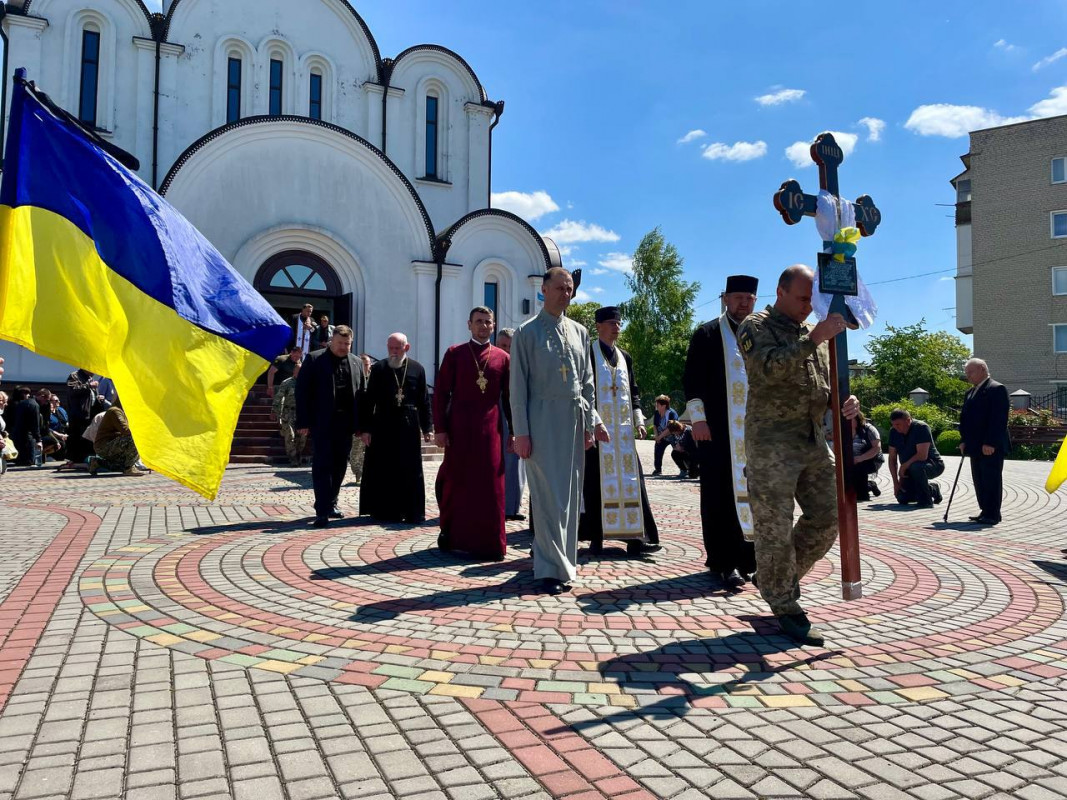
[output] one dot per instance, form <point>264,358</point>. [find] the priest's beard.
<point>396,362</point>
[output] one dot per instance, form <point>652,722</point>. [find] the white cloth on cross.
<point>832,214</point>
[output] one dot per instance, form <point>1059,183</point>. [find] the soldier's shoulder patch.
<point>744,338</point>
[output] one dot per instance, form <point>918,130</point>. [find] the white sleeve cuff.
<point>639,418</point>
<point>694,409</point>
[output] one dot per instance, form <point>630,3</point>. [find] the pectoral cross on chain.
<point>399,396</point>
<point>563,370</point>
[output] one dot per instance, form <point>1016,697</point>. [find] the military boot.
<point>799,629</point>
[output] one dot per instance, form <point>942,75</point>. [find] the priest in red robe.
<point>472,380</point>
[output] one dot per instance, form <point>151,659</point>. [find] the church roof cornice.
<point>22,8</point>
<point>444,240</point>
<point>208,138</point>
<point>165,30</point>
<point>436,48</point>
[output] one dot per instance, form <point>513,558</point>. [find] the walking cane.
<point>953,492</point>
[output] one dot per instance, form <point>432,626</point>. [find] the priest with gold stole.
<point>615,501</point>
<point>716,390</point>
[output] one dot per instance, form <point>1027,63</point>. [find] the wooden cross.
<point>794,205</point>
<point>563,370</point>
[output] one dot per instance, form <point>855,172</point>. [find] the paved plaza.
<point>154,645</point>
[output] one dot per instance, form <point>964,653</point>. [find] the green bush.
<point>938,420</point>
<point>948,442</point>
<point>1033,452</point>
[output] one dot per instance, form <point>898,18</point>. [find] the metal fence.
<point>1055,403</point>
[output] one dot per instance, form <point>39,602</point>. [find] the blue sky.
<point>599,95</point>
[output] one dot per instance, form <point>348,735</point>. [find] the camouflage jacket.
<point>285,400</point>
<point>788,379</point>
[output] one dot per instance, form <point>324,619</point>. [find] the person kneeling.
<point>115,449</point>
<point>911,442</point>
<point>684,450</point>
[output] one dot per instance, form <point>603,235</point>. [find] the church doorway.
<point>292,278</point>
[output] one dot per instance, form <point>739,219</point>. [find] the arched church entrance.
<point>289,279</point>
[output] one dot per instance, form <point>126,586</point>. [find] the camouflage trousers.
<point>294,442</point>
<point>119,454</point>
<point>355,459</point>
<point>785,552</point>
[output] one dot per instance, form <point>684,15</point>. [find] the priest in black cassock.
<point>716,390</point>
<point>395,420</point>
<point>615,501</point>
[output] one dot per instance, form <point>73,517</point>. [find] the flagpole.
<point>3,83</point>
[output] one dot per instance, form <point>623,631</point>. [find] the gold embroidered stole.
<point>620,488</point>
<point>736,397</point>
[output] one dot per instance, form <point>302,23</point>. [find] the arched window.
<point>431,135</point>
<point>90,76</point>
<point>233,88</point>
<point>315,94</point>
<point>297,272</point>
<point>276,68</point>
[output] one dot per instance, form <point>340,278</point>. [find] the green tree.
<point>585,315</point>
<point>659,315</point>
<point>910,356</point>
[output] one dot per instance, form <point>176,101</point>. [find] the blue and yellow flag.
<point>98,270</point>
<point>1059,470</point>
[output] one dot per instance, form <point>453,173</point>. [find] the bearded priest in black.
<point>716,390</point>
<point>396,422</point>
<point>615,500</point>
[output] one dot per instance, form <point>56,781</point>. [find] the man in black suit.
<point>329,387</point>
<point>984,431</point>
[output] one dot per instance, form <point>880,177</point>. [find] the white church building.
<point>323,171</point>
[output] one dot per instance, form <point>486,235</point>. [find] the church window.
<point>1059,280</point>
<point>275,87</point>
<point>233,90</point>
<point>431,136</point>
<point>90,77</point>
<point>1059,170</point>
<point>298,276</point>
<point>1060,338</point>
<point>1059,224</point>
<point>492,292</point>
<point>315,109</point>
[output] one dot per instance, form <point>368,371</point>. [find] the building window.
<point>315,109</point>
<point>1059,336</point>
<point>492,291</point>
<point>431,136</point>
<point>1059,170</point>
<point>90,77</point>
<point>963,191</point>
<point>1059,280</point>
<point>275,87</point>
<point>1059,224</point>
<point>233,90</point>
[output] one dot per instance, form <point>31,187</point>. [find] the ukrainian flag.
<point>1059,470</point>
<point>97,270</point>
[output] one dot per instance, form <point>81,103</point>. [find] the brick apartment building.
<point>1011,253</point>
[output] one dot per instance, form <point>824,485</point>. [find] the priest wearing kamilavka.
<point>471,382</point>
<point>553,410</point>
<point>395,421</point>
<point>716,390</point>
<point>616,504</point>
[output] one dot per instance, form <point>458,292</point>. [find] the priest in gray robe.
<point>553,410</point>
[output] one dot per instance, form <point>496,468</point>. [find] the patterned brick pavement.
<point>154,645</point>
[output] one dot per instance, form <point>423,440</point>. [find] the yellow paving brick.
<point>964,673</point>
<point>314,637</point>
<point>852,686</point>
<point>504,628</point>
<point>135,609</point>
<point>229,615</point>
<point>397,649</point>
<point>922,693</point>
<point>343,606</point>
<point>458,691</point>
<point>354,643</point>
<point>786,700</point>
<point>442,655</point>
<point>624,700</point>
<point>203,636</point>
<point>164,639</point>
<point>307,661</point>
<point>591,666</point>
<point>1007,680</point>
<point>284,667</point>
<point>491,661</point>
<point>281,630</point>
<point>435,676</point>
<point>604,688</point>
<point>542,663</point>
<point>255,623</point>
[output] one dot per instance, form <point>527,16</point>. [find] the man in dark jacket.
<point>984,431</point>
<point>328,391</point>
<point>26,427</point>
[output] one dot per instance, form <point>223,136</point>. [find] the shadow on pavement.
<point>667,590</point>
<point>1055,569</point>
<point>959,526</point>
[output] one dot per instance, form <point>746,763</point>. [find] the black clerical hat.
<point>608,313</point>
<point>741,283</point>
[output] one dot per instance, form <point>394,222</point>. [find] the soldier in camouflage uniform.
<point>788,366</point>
<point>284,410</point>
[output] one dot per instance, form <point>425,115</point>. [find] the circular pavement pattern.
<point>945,613</point>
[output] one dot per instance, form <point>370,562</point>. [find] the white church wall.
<point>321,34</point>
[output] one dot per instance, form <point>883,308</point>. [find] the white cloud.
<point>616,262</point>
<point>599,271</point>
<point>528,205</point>
<point>576,263</point>
<point>800,152</point>
<point>1053,105</point>
<point>692,136</point>
<point>596,289</point>
<point>738,151</point>
<point>1003,44</point>
<point>582,296</point>
<point>951,121</point>
<point>781,96</point>
<point>875,127</point>
<point>568,231</point>
<point>1052,59</point>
